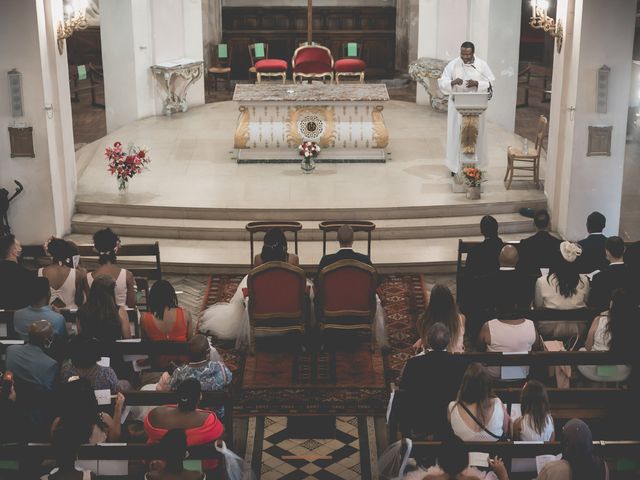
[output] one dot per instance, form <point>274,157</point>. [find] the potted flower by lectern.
<point>309,151</point>
<point>473,178</point>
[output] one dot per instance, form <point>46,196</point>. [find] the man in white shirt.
<point>465,74</point>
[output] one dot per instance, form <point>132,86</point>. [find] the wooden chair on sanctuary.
<point>220,65</point>
<point>351,64</point>
<point>526,161</point>
<point>312,62</point>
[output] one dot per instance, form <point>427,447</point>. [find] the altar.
<point>345,120</point>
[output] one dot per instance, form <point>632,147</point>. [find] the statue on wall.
<point>5,200</point>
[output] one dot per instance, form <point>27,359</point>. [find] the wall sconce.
<point>541,20</point>
<point>74,19</point>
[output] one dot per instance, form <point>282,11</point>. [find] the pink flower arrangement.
<point>309,149</point>
<point>125,165</point>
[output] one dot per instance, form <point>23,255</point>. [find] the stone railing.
<point>426,72</point>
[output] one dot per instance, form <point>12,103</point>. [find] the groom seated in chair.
<point>346,252</point>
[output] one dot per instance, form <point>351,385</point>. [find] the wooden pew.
<point>534,72</point>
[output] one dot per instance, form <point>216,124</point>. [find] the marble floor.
<point>193,165</point>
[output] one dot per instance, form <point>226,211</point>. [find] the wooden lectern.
<point>470,105</point>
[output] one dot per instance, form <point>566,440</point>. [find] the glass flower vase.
<point>308,164</point>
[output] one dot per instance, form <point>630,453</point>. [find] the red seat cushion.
<point>347,289</point>
<point>269,65</point>
<point>350,65</point>
<point>277,291</point>
<point>312,67</point>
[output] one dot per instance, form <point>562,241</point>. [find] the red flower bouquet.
<point>125,165</point>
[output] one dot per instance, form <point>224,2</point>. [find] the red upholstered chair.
<point>346,297</point>
<point>277,299</point>
<point>263,66</point>
<point>312,61</point>
<point>351,65</point>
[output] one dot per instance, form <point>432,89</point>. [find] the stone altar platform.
<point>345,120</point>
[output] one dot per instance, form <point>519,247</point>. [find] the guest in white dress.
<point>65,280</point>
<point>510,332</point>
<point>478,415</point>
<point>615,330</point>
<point>106,243</point>
<point>563,288</point>
<point>442,308</point>
<point>535,424</point>
<point>230,321</point>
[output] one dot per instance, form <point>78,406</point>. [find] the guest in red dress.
<point>200,426</point>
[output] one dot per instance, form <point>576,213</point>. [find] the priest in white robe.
<point>466,73</point>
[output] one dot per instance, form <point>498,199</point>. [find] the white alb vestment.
<point>480,72</point>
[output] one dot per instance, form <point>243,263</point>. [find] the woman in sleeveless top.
<point>442,308</point>
<point>229,321</point>
<point>200,426</point>
<point>478,415</point>
<point>615,330</point>
<point>100,317</point>
<point>65,451</point>
<point>65,281</point>
<point>165,320</point>
<point>535,424</point>
<point>106,244</point>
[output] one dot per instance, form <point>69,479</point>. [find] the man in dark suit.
<point>508,281</point>
<point>483,258</point>
<point>613,277</point>
<point>346,252</point>
<point>540,250</point>
<point>429,382</point>
<point>593,256</point>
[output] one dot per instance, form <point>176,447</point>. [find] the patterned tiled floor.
<point>350,457</point>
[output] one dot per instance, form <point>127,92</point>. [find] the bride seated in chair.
<point>230,321</point>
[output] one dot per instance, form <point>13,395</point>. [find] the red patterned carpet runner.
<point>352,380</point>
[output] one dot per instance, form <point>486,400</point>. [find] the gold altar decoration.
<point>469,134</point>
<point>241,136</point>
<point>380,133</point>
<point>318,125</point>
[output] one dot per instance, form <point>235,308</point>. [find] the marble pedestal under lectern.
<point>345,120</point>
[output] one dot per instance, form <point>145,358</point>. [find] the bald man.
<point>345,252</point>
<point>30,362</point>
<point>508,281</point>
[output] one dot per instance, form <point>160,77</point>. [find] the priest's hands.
<point>457,81</point>
<point>472,83</point>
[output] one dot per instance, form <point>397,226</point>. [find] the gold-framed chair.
<point>312,62</point>
<point>351,63</point>
<point>263,66</point>
<point>346,297</point>
<point>220,65</point>
<point>277,300</point>
<point>526,161</point>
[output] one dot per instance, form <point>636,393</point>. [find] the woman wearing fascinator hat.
<point>563,288</point>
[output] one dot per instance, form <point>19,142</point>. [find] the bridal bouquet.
<point>125,165</point>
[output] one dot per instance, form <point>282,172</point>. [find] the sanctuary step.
<point>218,229</point>
<point>436,255</point>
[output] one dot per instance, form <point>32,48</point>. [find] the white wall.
<point>137,34</point>
<point>303,3</point>
<point>602,34</point>
<point>494,28</point>
<point>45,206</point>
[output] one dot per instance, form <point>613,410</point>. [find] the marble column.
<point>595,33</point>
<point>46,205</point>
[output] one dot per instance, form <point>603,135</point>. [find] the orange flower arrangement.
<point>473,176</point>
